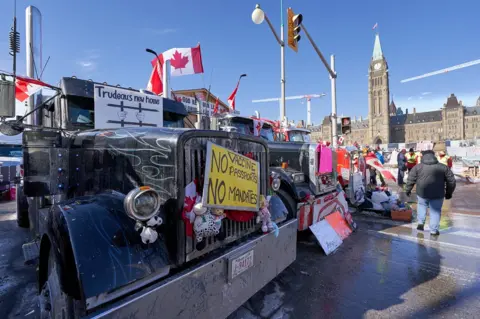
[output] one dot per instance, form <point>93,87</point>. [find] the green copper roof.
<point>377,49</point>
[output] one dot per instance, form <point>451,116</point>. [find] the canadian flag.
<point>257,127</point>
<point>375,163</point>
<point>183,61</point>
<point>24,87</point>
<point>231,98</point>
<point>215,108</point>
<point>340,140</point>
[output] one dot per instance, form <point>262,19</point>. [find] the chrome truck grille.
<point>195,157</point>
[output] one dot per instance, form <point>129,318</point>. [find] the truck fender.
<point>94,236</point>
<point>287,183</point>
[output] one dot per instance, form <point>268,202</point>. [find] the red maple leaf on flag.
<point>178,62</point>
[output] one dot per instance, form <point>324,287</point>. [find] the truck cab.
<point>245,125</point>
<point>293,134</point>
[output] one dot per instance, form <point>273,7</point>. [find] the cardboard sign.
<point>115,107</point>
<point>326,236</point>
<point>339,224</point>
<point>232,181</point>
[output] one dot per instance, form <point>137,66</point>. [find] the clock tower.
<point>378,97</point>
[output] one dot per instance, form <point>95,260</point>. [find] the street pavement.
<point>17,281</point>
<point>386,269</point>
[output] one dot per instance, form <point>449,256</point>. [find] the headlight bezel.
<point>133,195</point>
<point>298,178</point>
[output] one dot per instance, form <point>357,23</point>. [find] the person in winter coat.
<point>435,182</point>
<point>402,166</point>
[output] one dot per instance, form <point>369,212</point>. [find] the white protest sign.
<point>326,236</point>
<point>115,107</point>
<point>205,108</point>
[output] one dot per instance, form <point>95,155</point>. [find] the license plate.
<point>242,263</point>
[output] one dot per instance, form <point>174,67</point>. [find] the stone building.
<point>386,123</point>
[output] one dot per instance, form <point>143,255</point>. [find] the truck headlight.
<point>298,178</point>
<point>142,203</point>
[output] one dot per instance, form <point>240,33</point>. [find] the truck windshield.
<point>267,133</point>
<point>81,111</point>
<point>172,120</point>
<point>298,136</point>
<point>241,127</point>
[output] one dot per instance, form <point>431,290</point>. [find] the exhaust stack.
<point>33,33</point>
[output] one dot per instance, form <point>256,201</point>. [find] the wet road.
<point>385,269</point>
<point>17,281</point>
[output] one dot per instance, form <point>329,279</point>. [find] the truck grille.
<point>195,158</point>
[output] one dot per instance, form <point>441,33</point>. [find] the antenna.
<point>44,67</point>
<point>14,38</point>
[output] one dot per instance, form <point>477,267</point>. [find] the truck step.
<point>31,251</point>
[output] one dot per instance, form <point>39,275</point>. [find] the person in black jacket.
<point>435,182</point>
<point>402,166</point>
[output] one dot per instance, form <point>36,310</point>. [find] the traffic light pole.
<point>282,67</point>
<point>333,78</point>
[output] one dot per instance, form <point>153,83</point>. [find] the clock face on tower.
<point>377,66</point>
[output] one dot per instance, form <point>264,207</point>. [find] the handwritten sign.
<point>326,236</point>
<point>116,107</point>
<point>232,181</point>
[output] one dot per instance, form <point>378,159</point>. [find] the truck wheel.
<point>289,203</point>
<point>23,220</point>
<point>54,303</point>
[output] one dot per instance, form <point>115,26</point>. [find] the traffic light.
<point>294,28</point>
<point>346,125</point>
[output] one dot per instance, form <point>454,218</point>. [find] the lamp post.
<point>258,16</point>
<point>164,67</point>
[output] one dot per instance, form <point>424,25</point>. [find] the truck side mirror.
<point>7,97</point>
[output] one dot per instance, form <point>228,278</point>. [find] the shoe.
<point>435,233</point>
<point>420,227</point>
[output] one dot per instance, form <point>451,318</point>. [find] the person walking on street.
<point>445,159</point>
<point>411,159</point>
<point>402,167</point>
<point>435,182</point>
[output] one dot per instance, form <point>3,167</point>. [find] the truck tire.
<point>23,220</point>
<point>54,303</point>
<point>289,203</point>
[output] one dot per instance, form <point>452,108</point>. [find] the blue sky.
<point>106,41</point>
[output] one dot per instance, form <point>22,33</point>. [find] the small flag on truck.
<point>25,87</point>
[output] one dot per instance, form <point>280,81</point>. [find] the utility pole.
<point>333,77</point>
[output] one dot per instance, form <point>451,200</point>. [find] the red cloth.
<point>239,215</point>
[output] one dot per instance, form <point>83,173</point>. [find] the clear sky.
<point>106,41</point>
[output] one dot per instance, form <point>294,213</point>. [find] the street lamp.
<point>164,68</point>
<point>258,16</point>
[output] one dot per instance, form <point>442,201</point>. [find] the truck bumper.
<point>310,213</point>
<point>217,287</point>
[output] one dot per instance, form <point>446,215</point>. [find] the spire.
<point>377,49</point>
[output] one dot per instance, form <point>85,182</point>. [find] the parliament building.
<point>388,124</point>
